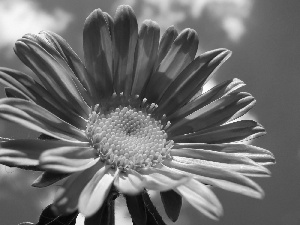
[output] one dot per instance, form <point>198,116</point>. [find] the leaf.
<point>106,214</point>
<point>137,209</point>
<point>153,217</point>
<point>48,217</point>
<point>172,203</point>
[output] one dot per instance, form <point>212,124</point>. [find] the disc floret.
<point>127,136</point>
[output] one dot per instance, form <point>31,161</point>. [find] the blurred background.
<point>265,39</point>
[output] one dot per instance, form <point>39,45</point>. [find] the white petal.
<point>96,191</point>
<point>125,186</point>
<point>202,198</point>
<point>161,179</point>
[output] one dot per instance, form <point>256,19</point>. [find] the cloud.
<point>234,28</point>
<point>162,12</point>
<point>18,17</point>
<point>229,14</point>
<point>232,15</point>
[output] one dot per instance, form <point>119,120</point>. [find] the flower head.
<point>133,116</point>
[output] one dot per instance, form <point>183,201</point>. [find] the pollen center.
<point>127,137</point>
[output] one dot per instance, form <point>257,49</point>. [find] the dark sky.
<point>266,58</point>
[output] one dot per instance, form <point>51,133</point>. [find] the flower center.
<point>127,136</point>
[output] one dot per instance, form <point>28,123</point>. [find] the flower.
<point>132,117</point>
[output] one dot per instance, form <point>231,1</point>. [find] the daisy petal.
<point>11,153</point>
<point>38,119</point>
<point>110,23</point>
<point>125,186</point>
<point>136,179</point>
<point>68,159</point>
<point>257,154</point>
<point>53,76</point>
<point>231,132</point>
<point>20,162</point>
<point>51,46</point>
<point>38,94</point>
<point>15,93</point>
<point>162,179</point>
<point>71,58</point>
<point>15,79</point>
<point>34,147</point>
<point>191,80</point>
<point>24,153</point>
<point>202,198</point>
<point>48,178</point>
<point>166,42</point>
<point>146,54</point>
<point>105,214</point>
<point>67,195</point>
<point>211,95</point>
<point>96,191</point>
<point>97,47</point>
<point>218,177</point>
<point>181,54</point>
<point>222,110</point>
<point>124,40</point>
<point>221,160</point>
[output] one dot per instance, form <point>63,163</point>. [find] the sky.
<point>264,37</point>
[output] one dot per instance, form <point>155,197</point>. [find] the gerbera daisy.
<point>132,117</point>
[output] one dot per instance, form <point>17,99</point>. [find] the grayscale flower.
<point>133,116</point>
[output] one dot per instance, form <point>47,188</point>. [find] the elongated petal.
<point>218,177</point>
<point>161,179</point>
<point>146,54</point>
<point>38,119</point>
<point>202,198</point>
<point>231,132</point>
<point>96,191</point>
<point>48,178</point>
<point>68,159</point>
<point>165,43</point>
<point>191,80</point>
<point>53,76</point>
<point>181,53</point>
<point>211,95</point>
<point>125,186</point>
<point>67,195</point>
<point>71,58</point>
<point>110,23</point>
<point>124,40</point>
<point>24,153</point>
<point>105,214</point>
<point>136,179</point>
<point>11,153</point>
<point>14,79</point>
<point>98,56</point>
<point>216,113</point>
<point>14,93</point>
<point>20,162</point>
<point>34,147</point>
<point>257,154</point>
<point>38,94</point>
<point>51,46</point>
<point>221,160</point>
